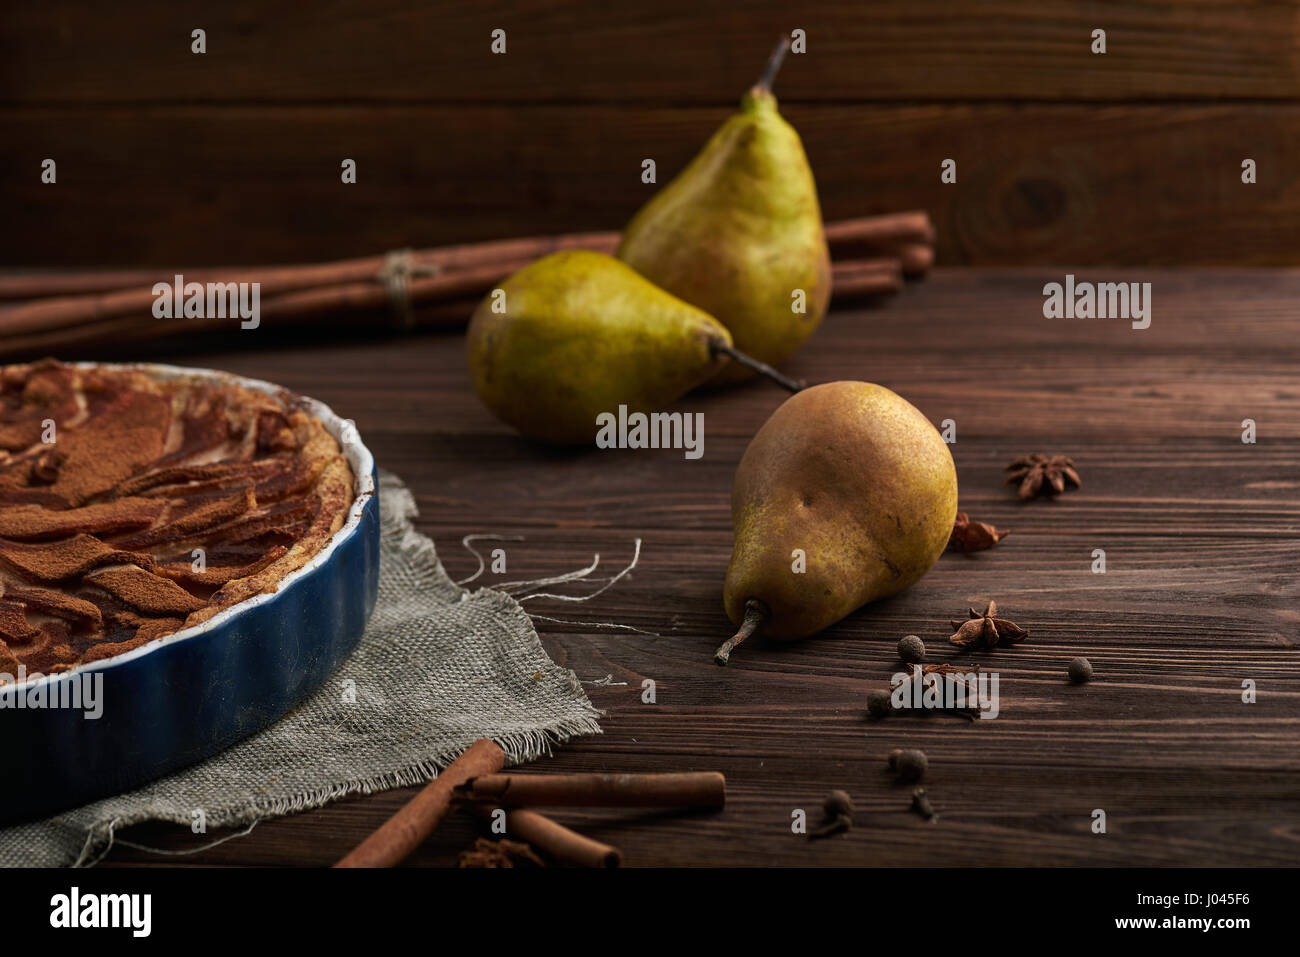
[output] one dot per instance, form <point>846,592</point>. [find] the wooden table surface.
<point>1201,534</point>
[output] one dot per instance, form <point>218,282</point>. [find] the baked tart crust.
<point>134,505</point>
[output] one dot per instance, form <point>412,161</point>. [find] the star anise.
<point>949,687</point>
<point>1042,473</point>
<point>968,536</point>
<point>944,669</point>
<point>986,631</point>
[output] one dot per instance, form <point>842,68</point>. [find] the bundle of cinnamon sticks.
<point>474,781</point>
<point>53,312</point>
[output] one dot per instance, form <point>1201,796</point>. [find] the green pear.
<point>846,495</point>
<point>739,233</point>
<point>578,333</point>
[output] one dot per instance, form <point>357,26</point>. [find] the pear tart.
<point>135,505</point>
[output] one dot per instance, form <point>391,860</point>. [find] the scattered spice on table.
<point>908,763</point>
<point>985,631</point>
<point>837,815</point>
<point>879,704</point>
<point>922,806</point>
<point>1080,670</point>
<point>969,536</point>
<point>1046,474</point>
<point>955,688</point>
<point>502,853</point>
<point>911,649</point>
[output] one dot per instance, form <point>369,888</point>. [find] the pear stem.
<point>774,65</point>
<point>794,385</point>
<point>755,615</point>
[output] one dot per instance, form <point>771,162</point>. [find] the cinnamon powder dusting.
<point>133,506</point>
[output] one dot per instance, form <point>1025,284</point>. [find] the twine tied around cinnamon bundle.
<point>400,266</point>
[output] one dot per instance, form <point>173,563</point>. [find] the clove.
<point>922,806</point>
<point>837,815</point>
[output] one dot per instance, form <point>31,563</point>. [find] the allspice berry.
<point>910,764</point>
<point>911,649</point>
<point>838,804</point>
<point>879,704</point>
<point>1080,670</point>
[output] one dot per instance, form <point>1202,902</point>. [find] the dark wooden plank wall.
<point>1063,156</point>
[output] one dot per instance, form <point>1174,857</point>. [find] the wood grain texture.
<point>1063,156</point>
<point>1202,538</point>
<point>180,186</point>
<point>672,51</point>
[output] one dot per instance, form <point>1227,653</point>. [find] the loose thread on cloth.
<point>595,624</point>
<point>581,574</point>
<point>482,565</point>
<point>163,851</point>
<point>523,591</point>
<point>609,582</point>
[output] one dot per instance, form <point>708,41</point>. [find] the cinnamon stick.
<point>406,830</point>
<point>334,309</point>
<point>908,237</point>
<point>43,325</point>
<point>891,229</point>
<point>473,281</point>
<point>278,279</point>
<point>866,277</point>
<point>558,842</point>
<point>37,285</point>
<point>295,296</point>
<point>917,258</point>
<point>702,789</point>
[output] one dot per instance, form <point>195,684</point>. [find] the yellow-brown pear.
<point>739,234</point>
<point>846,495</point>
<point>577,334</point>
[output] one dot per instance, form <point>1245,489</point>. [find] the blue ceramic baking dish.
<point>191,694</point>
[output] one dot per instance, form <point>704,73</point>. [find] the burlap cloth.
<point>437,668</point>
